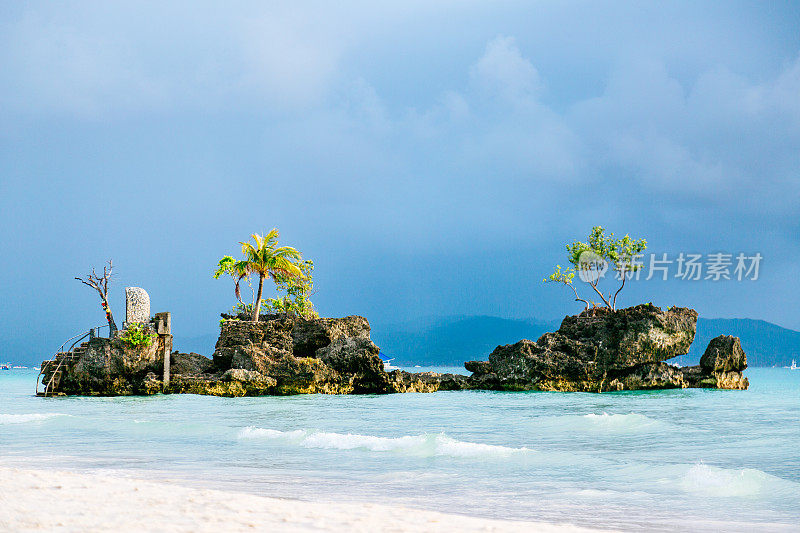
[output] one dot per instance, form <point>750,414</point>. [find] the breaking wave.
<point>599,423</point>
<point>631,421</point>
<point>426,445</point>
<point>709,480</point>
<point>28,417</point>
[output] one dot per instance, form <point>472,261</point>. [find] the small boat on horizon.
<point>794,366</point>
<point>6,366</point>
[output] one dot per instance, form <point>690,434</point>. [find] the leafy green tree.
<point>262,258</point>
<point>296,291</point>
<point>566,277</point>
<point>591,259</point>
<point>238,271</point>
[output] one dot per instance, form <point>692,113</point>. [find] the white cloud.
<point>709,140</point>
<point>712,136</point>
<point>504,72</point>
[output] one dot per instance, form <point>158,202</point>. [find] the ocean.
<point>660,460</point>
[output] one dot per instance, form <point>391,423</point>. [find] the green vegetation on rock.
<point>137,334</point>
<point>262,258</point>
<point>296,291</point>
<point>591,259</point>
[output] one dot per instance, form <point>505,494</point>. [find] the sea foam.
<point>611,423</point>
<point>425,445</point>
<point>27,417</point>
<point>709,480</point>
<point>630,421</point>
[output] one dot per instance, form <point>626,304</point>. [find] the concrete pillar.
<point>163,325</point>
<point>167,353</point>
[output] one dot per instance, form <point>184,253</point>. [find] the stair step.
<point>61,361</point>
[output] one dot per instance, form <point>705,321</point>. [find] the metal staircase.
<point>51,372</point>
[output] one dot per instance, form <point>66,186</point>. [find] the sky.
<point>431,158</point>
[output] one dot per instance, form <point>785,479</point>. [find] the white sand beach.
<point>37,500</point>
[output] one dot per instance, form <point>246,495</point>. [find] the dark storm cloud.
<point>430,159</point>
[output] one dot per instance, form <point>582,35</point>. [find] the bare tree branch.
<point>624,277</point>
<point>605,301</point>
<point>100,284</point>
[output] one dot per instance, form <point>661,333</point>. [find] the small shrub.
<point>137,334</point>
<point>296,291</point>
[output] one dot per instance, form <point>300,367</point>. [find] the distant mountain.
<point>450,341</point>
<point>437,341</point>
<point>765,344</point>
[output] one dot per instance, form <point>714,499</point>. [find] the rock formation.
<point>105,367</point>
<point>601,350</point>
<point>277,355</point>
<point>595,351</point>
<point>721,365</point>
<point>324,355</point>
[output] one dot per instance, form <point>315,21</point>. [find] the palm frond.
<point>263,257</point>
<point>271,238</point>
<point>288,252</point>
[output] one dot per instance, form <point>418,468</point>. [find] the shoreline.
<point>46,500</point>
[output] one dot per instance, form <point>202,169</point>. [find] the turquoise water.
<point>663,460</point>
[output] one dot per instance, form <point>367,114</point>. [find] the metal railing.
<point>91,333</point>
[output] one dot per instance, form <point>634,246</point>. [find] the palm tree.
<point>264,259</point>
<point>237,270</point>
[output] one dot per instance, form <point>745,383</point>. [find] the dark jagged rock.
<point>696,377</point>
<point>106,367</point>
<point>357,357</point>
<point>309,336</point>
<point>276,355</point>
<point>724,354</point>
<point>478,367</point>
<point>189,364</point>
<point>721,365</point>
<point>627,337</point>
<point>279,355</point>
<point>402,381</point>
<point>327,355</point>
<point>649,376</point>
<point>246,341</point>
<point>606,351</point>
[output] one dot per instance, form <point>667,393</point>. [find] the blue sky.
<point>431,158</point>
